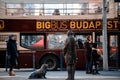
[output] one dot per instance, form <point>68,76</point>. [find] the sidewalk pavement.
<point>61,75</point>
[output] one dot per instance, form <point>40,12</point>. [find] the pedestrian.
<point>95,59</point>
<point>70,54</point>
<point>88,50</point>
<point>12,54</point>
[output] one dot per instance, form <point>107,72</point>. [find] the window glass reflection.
<point>32,41</point>
<point>113,42</point>
<point>113,46</point>
<point>13,6</point>
<point>50,6</point>
<point>56,41</point>
<point>49,9</point>
<point>119,9</point>
<point>95,7</point>
<point>81,39</point>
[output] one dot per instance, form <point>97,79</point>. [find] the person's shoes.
<point>69,79</point>
<point>93,72</point>
<point>97,73</point>
<point>88,72</point>
<point>11,73</point>
<point>45,77</point>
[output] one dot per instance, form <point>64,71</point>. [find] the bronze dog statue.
<point>40,73</point>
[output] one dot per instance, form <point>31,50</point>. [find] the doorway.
<point>113,49</point>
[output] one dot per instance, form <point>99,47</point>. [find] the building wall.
<point>113,8</point>
<point>2,8</point>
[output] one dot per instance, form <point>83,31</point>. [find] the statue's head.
<point>70,32</point>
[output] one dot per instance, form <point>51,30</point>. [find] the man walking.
<point>70,55</point>
<point>12,54</point>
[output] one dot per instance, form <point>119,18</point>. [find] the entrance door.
<point>112,49</point>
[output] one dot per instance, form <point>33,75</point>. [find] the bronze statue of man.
<point>70,54</point>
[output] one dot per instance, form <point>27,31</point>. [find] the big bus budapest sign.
<point>23,25</point>
<point>75,25</point>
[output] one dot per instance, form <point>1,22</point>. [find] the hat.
<point>10,36</point>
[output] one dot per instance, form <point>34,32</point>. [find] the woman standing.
<point>95,59</point>
<point>88,50</point>
<point>12,54</point>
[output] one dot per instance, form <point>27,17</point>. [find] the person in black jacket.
<point>88,50</point>
<point>95,59</point>
<point>12,54</point>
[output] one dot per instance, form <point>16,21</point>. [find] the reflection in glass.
<point>13,6</point>
<point>81,39</point>
<point>95,8</point>
<point>113,46</point>
<point>56,41</point>
<point>32,41</point>
<point>119,9</point>
<point>48,9</point>
<point>113,49</point>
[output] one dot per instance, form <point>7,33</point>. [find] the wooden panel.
<point>25,60</point>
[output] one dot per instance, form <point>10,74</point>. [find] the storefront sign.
<point>22,25</point>
<point>63,25</point>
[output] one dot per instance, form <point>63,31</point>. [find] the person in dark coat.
<point>70,55</point>
<point>95,59</point>
<point>88,50</point>
<point>12,54</point>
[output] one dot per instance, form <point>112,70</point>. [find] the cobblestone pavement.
<point>62,75</point>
